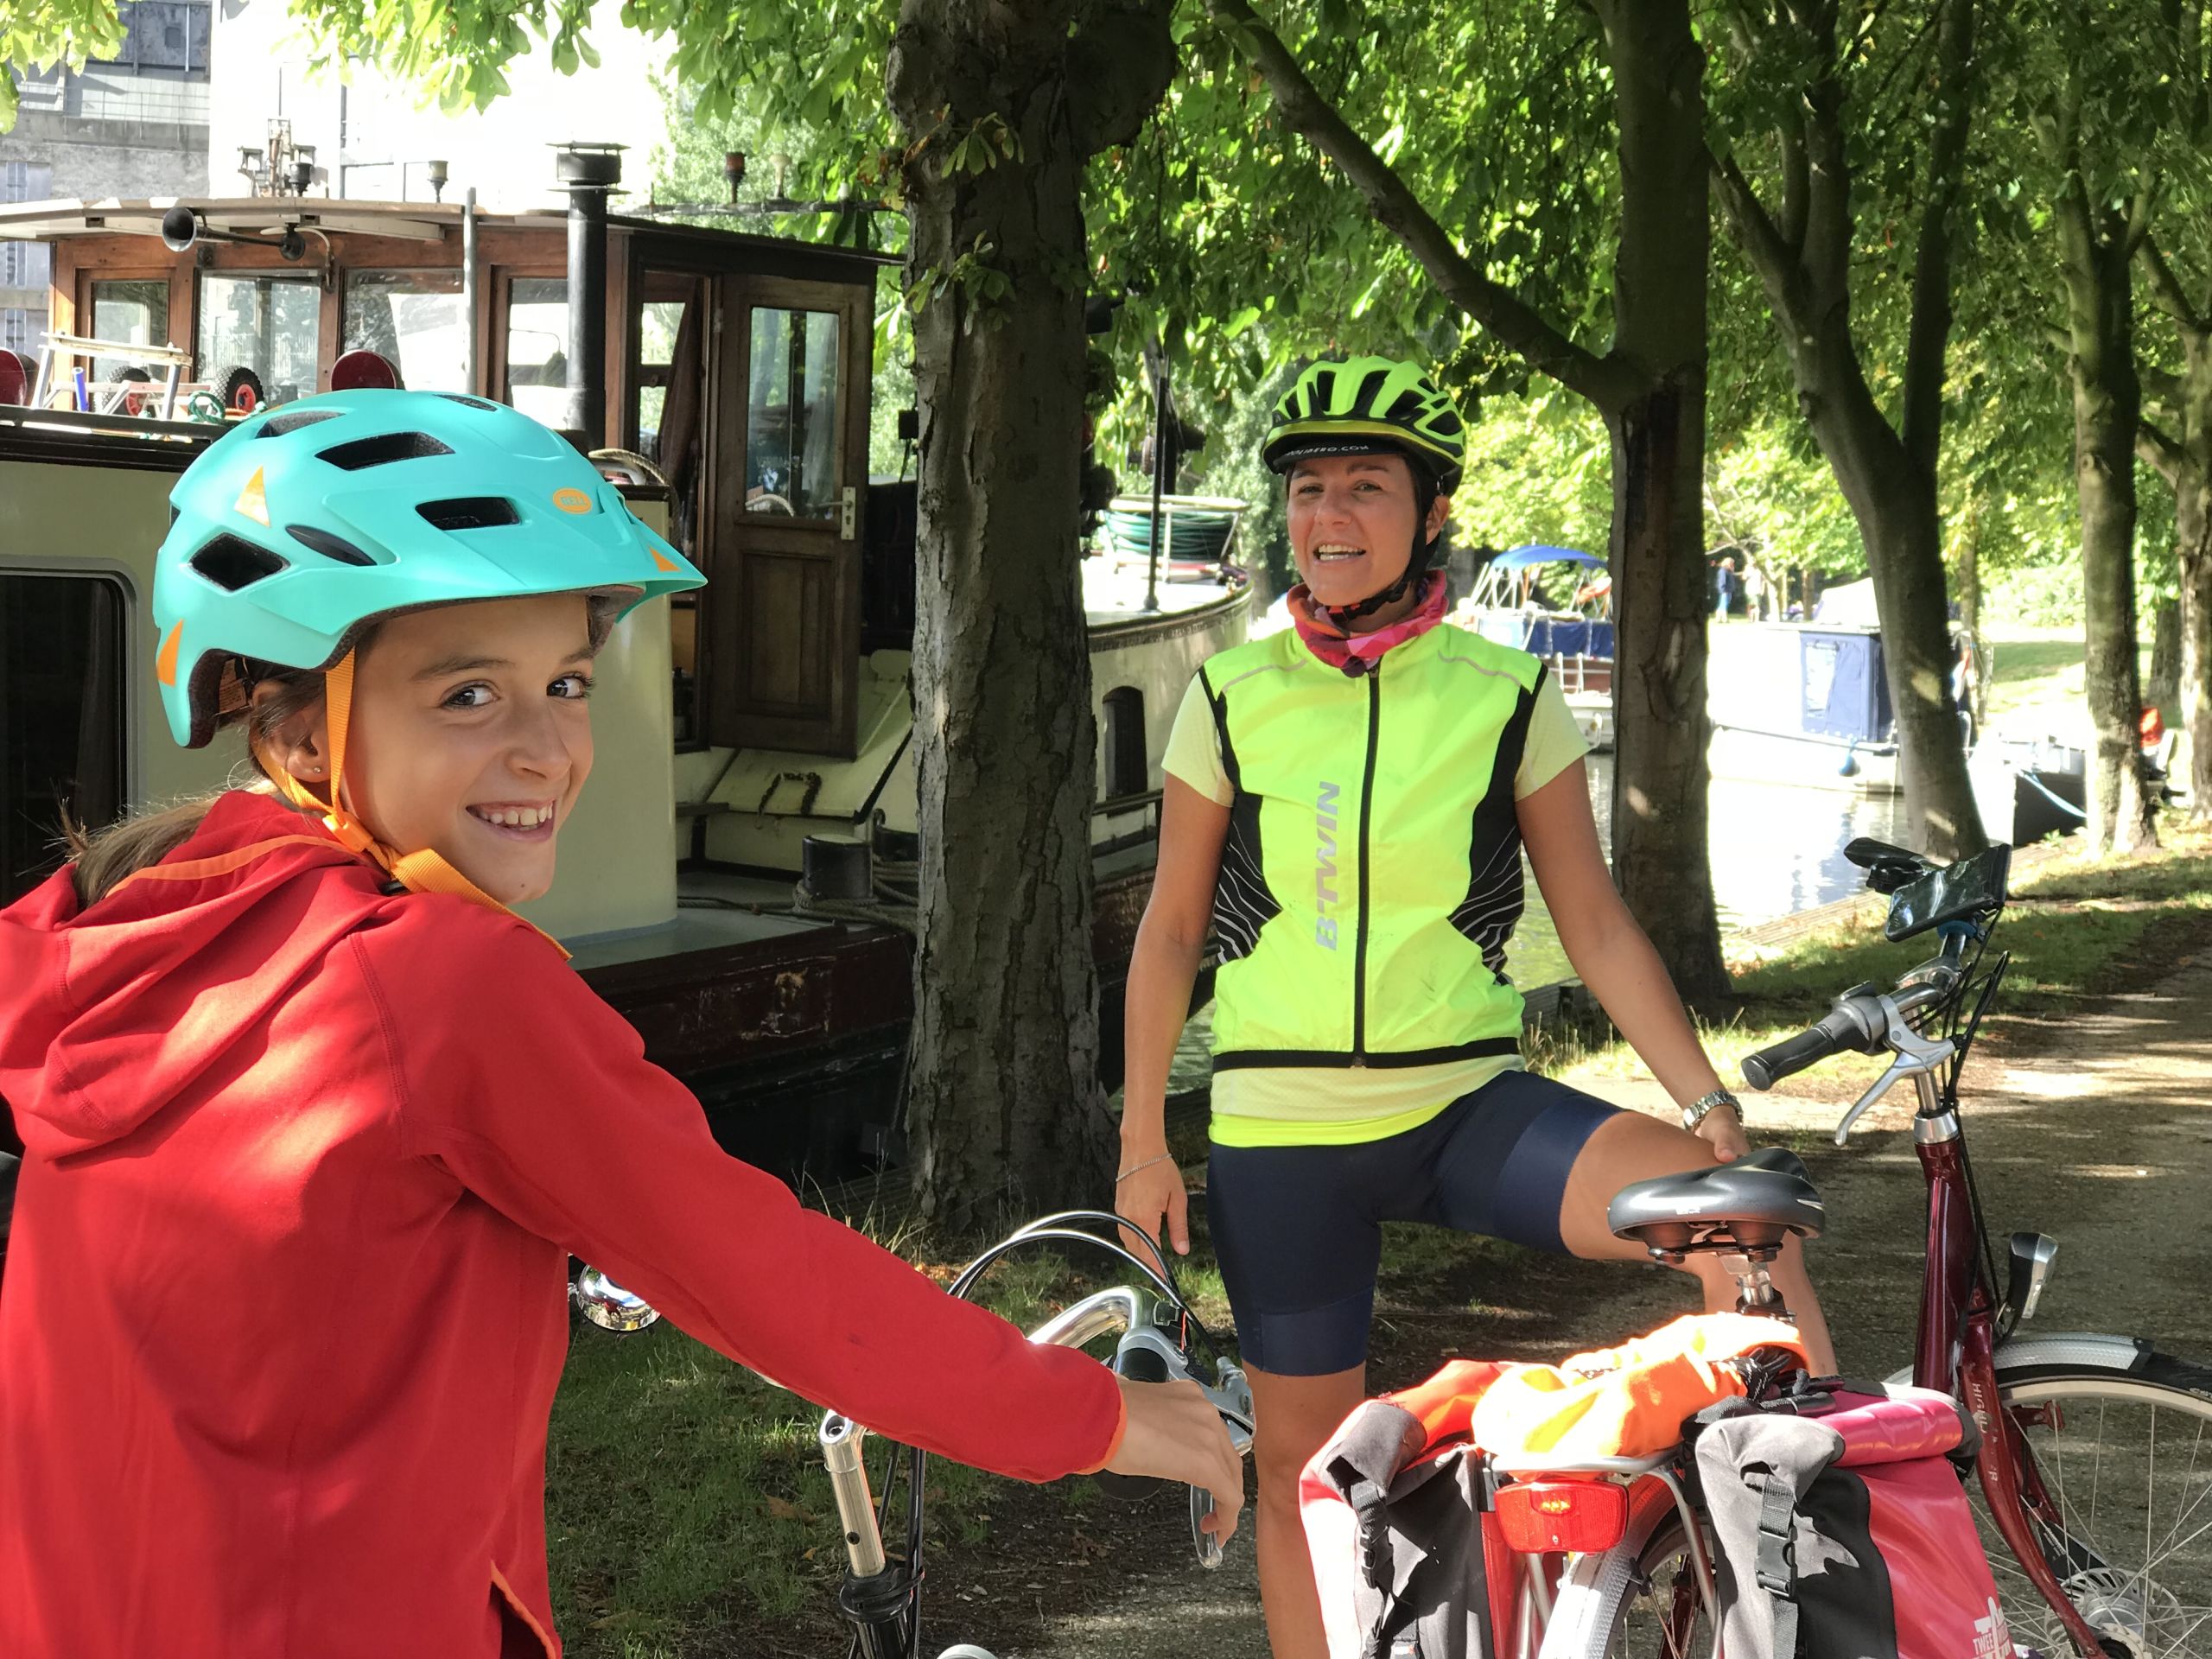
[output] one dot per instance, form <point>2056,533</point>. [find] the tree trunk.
<point>1662,852</point>
<point>2162,690</point>
<point>2193,543</point>
<point>2097,261</point>
<point>1004,1099</point>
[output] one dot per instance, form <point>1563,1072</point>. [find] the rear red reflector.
<point>1544,1516</point>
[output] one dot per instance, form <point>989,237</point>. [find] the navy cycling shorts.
<point>1299,1229</point>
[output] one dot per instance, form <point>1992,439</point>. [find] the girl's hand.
<point>1173,1435</point>
<point>1154,1191</point>
<point>1723,1133</point>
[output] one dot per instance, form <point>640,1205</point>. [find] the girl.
<point>313,1122</point>
<point>1346,806</point>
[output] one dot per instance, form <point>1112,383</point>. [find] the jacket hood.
<point>108,1012</point>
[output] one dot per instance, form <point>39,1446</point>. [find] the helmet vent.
<point>330,546</point>
<point>232,562</point>
<point>292,420</point>
<point>470,512</point>
<point>466,402</point>
<point>385,448</point>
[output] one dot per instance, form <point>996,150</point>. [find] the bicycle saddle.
<point>1750,1205</point>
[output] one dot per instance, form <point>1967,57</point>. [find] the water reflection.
<point>1776,849</point>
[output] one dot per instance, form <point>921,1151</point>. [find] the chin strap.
<point>418,872</point>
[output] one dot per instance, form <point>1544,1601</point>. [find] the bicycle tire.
<point>2163,1606</point>
<point>1603,1608</point>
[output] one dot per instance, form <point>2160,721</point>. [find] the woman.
<point>313,1122</point>
<point>1345,807</point>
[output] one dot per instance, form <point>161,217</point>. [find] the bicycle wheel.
<point>2125,1457</point>
<point>1637,1600</point>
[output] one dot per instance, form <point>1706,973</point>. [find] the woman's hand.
<point>1173,1435</point>
<point>1723,1133</point>
<point>1152,1191</point>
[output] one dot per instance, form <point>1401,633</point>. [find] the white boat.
<point>1510,605</point>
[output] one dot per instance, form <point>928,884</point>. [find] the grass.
<point>2076,926</point>
<point>2035,683</point>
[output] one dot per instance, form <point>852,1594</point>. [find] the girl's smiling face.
<point>469,735</point>
<point>1352,519</point>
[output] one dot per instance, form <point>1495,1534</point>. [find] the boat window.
<point>794,429</point>
<point>267,324</point>
<point>1123,744</point>
<point>61,716</point>
<point>669,380</point>
<point>537,348</point>
<point>132,312</point>
<point>413,320</point>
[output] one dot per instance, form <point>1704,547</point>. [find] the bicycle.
<point>1160,1340</point>
<point>2096,1469</point>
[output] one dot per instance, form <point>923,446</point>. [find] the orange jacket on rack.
<point>285,1304</point>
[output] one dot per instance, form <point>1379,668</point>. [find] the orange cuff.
<point>1121,1430</point>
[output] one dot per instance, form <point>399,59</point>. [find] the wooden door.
<point>788,483</point>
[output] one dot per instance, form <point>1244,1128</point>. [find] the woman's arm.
<point>1610,951</point>
<point>1171,941</point>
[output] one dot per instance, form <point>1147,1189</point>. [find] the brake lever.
<point>1230,1396</point>
<point>1915,1055</point>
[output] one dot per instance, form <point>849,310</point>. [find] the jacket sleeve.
<point>536,1097</point>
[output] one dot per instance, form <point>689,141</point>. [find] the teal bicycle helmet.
<point>298,527</point>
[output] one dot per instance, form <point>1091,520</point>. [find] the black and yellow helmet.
<point>1358,405</point>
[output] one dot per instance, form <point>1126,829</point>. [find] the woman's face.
<point>1352,519</point>
<point>470,736</point>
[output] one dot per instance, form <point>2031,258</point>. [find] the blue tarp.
<point>1520,558</point>
<point>1844,690</point>
<point>1546,636</point>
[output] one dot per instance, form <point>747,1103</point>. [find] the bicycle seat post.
<point>1755,1287</point>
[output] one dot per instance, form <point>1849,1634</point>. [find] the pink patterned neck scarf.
<point>1357,653</point>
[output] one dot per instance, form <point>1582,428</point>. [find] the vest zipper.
<point>1366,806</point>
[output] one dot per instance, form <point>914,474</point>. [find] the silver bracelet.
<point>1694,1113</point>
<point>1147,1164</point>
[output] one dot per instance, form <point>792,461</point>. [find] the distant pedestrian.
<point>1724,588</point>
<point>1754,591</point>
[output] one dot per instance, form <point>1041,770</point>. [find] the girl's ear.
<point>300,742</point>
<point>1438,511</point>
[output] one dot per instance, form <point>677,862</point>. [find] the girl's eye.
<point>474,696</point>
<point>575,688</point>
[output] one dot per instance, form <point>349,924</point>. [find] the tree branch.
<point>1497,307</point>
<point>2165,288</point>
<point>1921,428</point>
<point>2158,451</point>
<point>1761,241</point>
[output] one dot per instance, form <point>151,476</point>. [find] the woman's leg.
<point>1630,1148</point>
<point>1295,1416</point>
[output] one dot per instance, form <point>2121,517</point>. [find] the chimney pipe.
<point>589,174</point>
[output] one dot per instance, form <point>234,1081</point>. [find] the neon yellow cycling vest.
<point>1371,876</point>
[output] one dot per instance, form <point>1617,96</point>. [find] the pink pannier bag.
<point>1406,1558</point>
<point>1844,1530</point>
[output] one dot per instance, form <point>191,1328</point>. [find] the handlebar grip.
<point>1792,1055</point>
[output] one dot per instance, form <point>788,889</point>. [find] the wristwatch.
<point>1693,1113</point>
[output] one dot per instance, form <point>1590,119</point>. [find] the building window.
<point>413,320</point>
<point>267,324</point>
<point>1123,743</point>
<point>130,312</point>
<point>538,349</point>
<point>20,328</point>
<point>62,696</point>
<point>164,35</point>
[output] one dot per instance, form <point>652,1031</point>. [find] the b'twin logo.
<point>1325,875</point>
<point>1992,1639</point>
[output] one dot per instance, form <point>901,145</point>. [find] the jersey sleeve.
<point>1554,743</point>
<point>537,1098</point>
<point>1194,747</point>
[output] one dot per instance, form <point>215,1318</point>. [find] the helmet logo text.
<point>1325,877</point>
<point>572,500</point>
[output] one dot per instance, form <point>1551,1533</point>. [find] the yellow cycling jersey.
<point>1371,876</point>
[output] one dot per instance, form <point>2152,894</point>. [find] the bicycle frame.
<point>1955,1352</point>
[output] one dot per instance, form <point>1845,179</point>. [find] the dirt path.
<point>2095,1127</point>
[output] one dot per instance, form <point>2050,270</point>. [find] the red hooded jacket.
<point>285,1304</point>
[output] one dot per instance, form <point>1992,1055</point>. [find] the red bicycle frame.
<point>1956,1353</point>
